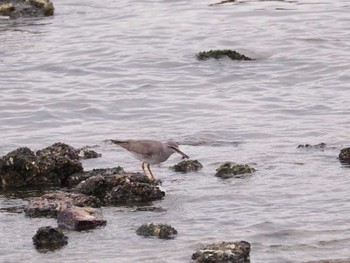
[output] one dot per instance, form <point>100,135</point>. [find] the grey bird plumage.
<point>150,151</point>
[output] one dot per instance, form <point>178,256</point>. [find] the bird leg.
<point>149,169</point>
<point>143,168</point>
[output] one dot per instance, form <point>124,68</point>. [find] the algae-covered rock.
<point>26,8</point>
<point>161,231</point>
<point>49,238</point>
<point>224,252</point>
<point>228,170</point>
<point>217,54</point>
<point>186,166</point>
<point>344,155</point>
<point>47,205</point>
<point>80,218</point>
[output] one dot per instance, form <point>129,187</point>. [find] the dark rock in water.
<point>344,155</point>
<point>119,189</point>
<point>150,209</point>
<point>49,238</point>
<point>225,252</point>
<point>75,179</point>
<point>48,204</point>
<point>320,146</point>
<point>161,231</point>
<point>186,166</point>
<point>217,54</point>
<point>19,168</point>
<point>51,166</point>
<point>80,218</point>
<point>223,2</point>
<point>26,8</point>
<point>228,170</point>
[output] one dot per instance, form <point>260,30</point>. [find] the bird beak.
<point>184,156</point>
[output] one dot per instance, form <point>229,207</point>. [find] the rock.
<point>19,168</point>
<point>319,146</point>
<point>51,166</point>
<point>75,179</point>
<point>161,231</point>
<point>217,54</point>
<point>49,238</point>
<point>228,170</point>
<point>26,8</point>
<point>233,252</point>
<point>80,218</point>
<point>120,189</point>
<point>223,2</point>
<point>186,166</point>
<point>150,209</point>
<point>47,205</point>
<point>344,155</point>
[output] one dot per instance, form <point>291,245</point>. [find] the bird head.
<point>175,148</point>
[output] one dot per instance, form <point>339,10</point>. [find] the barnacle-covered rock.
<point>224,252</point>
<point>26,8</point>
<point>49,238</point>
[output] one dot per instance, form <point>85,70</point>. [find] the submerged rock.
<point>223,2</point>
<point>47,205</point>
<point>150,209</point>
<point>344,155</point>
<point>331,261</point>
<point>26,8</point>
<point>228,170</point>
<point>49,238</point>
<point>80,218</point>
<point>224,252</point>
<point>217,54</point>
<point>186,166</point>
<point>51,166</point>
<point>161,231</point>
<point>119,189</point>
<point>319,146</point>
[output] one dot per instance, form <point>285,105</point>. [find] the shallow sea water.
<point>127,69</point>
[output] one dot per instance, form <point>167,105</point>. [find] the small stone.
<point>224,252</point>
<point>186,166</point>
<point>80,218</point>
<point>217,54</point>
<point>49,238</point>
<point>228,170</point>
<point>161,231</point>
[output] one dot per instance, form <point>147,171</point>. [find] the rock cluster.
<point>217,54</point>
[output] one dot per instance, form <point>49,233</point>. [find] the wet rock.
<point>344,155</point>
<point>217,54</point>
<point>319,146</point>
<point>26,8</point>
<point>51,166</point>
<point>233,252</point>
<point>75,179</point>
<point>119,189</point>
<point>80,218</point>
<point>150,209</point>
<point>47,205</point>
<point>19,168</point>
<point>49,238</point>
<point>228,170</point>
<point>161,231</point>
<point>186,166</point>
